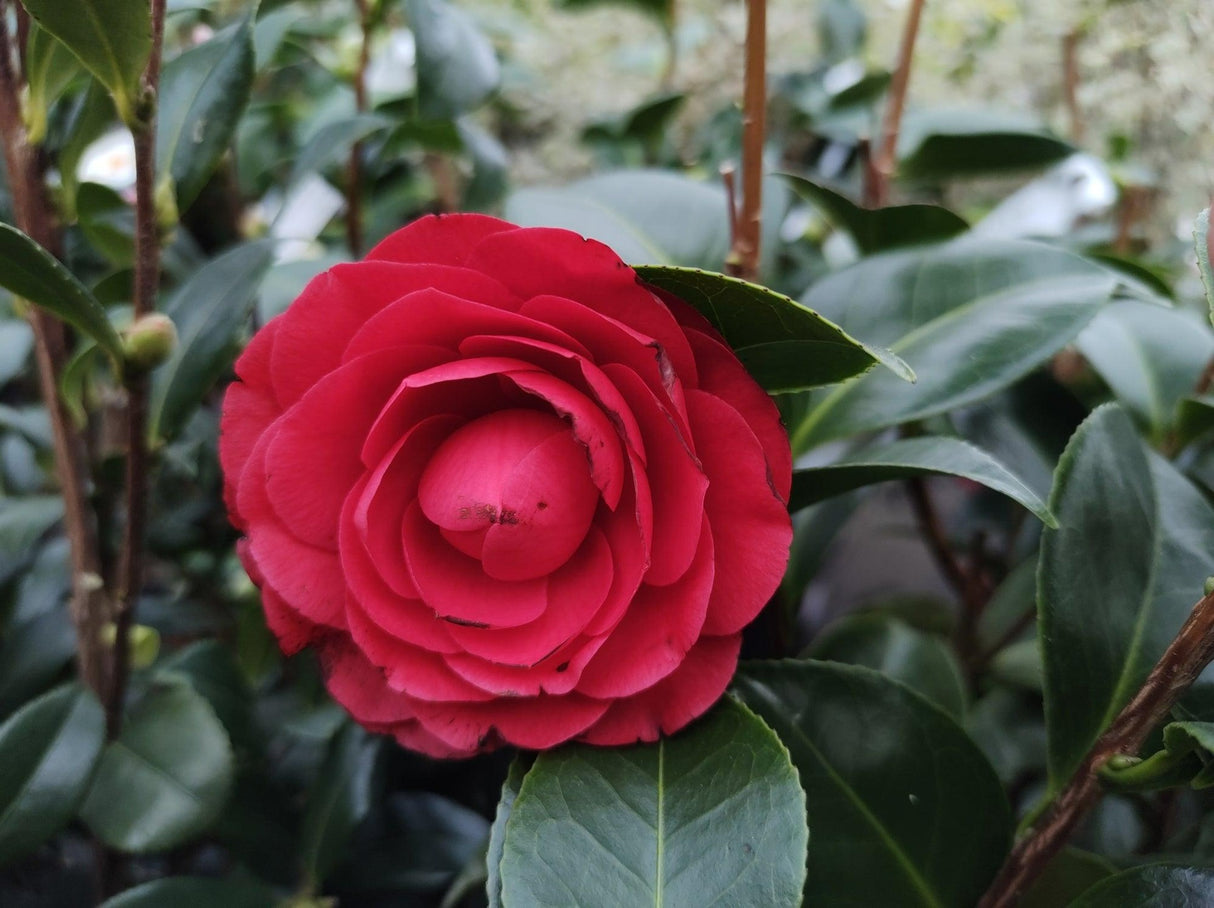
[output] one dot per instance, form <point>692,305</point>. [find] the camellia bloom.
<point>511,493</point>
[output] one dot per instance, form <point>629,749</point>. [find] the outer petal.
<point>439,239</point>
<point>681,696</point>
<point>750,523</point>
<point>534,723</point>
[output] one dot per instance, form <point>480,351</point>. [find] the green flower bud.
<point>148,343</point>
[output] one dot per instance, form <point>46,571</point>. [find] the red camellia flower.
<point>511,493</point>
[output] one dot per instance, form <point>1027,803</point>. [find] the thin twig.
<point>933,535</point>
<point>886,158</point>
<point>743,259</point>
<point>34,215</point>
<point>135,381</point>
<point>1176,670</point>
<point>354,175</point>
<point>1070,83</point>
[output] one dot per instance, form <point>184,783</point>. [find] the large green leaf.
<point>1068,875</point>
<point>784,346</point>
<point>1152,886</point>
<point>880,765</point>
<point>457,68</point>
<point>339,801</point>
<point>519,767</point>
<point>33,654</point>
<point>194,892</point>
<point>333,141</point>
<point>713,814</point>
<point>212,670</point>
<point>1150,357</point>
<point>113,38</point>
<point>166,777</point>
<point>203,92</point>
<point>912,457</point>
<point>50,68</point>
<point>47,752</point>
<point>944,144</point>
<point>923,662</point>
<point>209,310</point>
<point>1117,578</point>
<point>33,273</point>
<point>1203,245</point>
<point>880,229</point>
<point>970,317</point>
<point>23,521</point>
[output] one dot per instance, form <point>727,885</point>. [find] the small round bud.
<point>148,342</point>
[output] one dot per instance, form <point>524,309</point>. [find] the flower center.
<point>513,489</point>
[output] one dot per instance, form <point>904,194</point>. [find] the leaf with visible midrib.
<point>47,753</point>
<point>113,38</point>
<point>880,765</point>
<point>34,274</point>
<point>1152,886</point>
<point>712,814</point>
<point>1117,579</point>
<point>913,457</point>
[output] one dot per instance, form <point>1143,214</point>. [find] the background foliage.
<point>988,561</point>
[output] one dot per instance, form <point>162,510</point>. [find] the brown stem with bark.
<point>1176,670</point>
<point>934,537</point>
<point>354,169</point>
<point>743,258</point>
<point>885,160</point>
<point>34,215</point>
<point>135,381</point>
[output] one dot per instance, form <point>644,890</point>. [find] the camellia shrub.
<point>736,525</point>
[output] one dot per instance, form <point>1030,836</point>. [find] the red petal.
<point>675,480</point>
<point>445,239</point>
<point>535,723</point>
<point>314,460</point>
<point>575,593</point>
<point>685,694</point>
<point>544,261</point>
<point>750,523</point>
<point>659,628</point>
<point>456,588</point>
<point>721,375</point>
<point>293,631</point>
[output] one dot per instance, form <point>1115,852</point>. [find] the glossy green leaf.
<point>33,654</point>
<point>519,767</point>
<point>713,814</point>
<point>1184,760</point>
<point>213,672</point>
<point>339,801</point>
<point>1205,252</point>
<point>457,67</point>
<point>333,141</point>
<point>1149,356</point>
<point>783,345</point>
<point>50,68</point>
<point>166,777</point>
<point>194,892</point>
<point>1007,726</point>
<point>23,521</point>
<point>880,229</point>
<point>1117,578</point>
<point>1194,418</point>
<point>47,753</point>
<point>944,144</point>
<point>923,662</point>
<point>112,38</point>
<point>913,457</point>
<point>879,765</point>
<point>108,223</point>
<point>203,92</point>
<point>1068,875</point>
<point>210,310</point>
<point>970,317</point>
<point>1152,886</point>
<point>842,29</point>
<point>34,274</point>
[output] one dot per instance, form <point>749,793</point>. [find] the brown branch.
<point>1070,83</point>
<point>886,158</point>
<point>354,175</point>
<point>34,214</point>
<point>934,537</point>
<point>135,381</point>
<point>1176,670</point>
<point>743,258</point>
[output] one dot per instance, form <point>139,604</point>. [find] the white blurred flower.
<point>843,75</point>
<point>1052,205</point>
<point>304,213</point>
<point>109,161</point>
<point>392,71</point>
